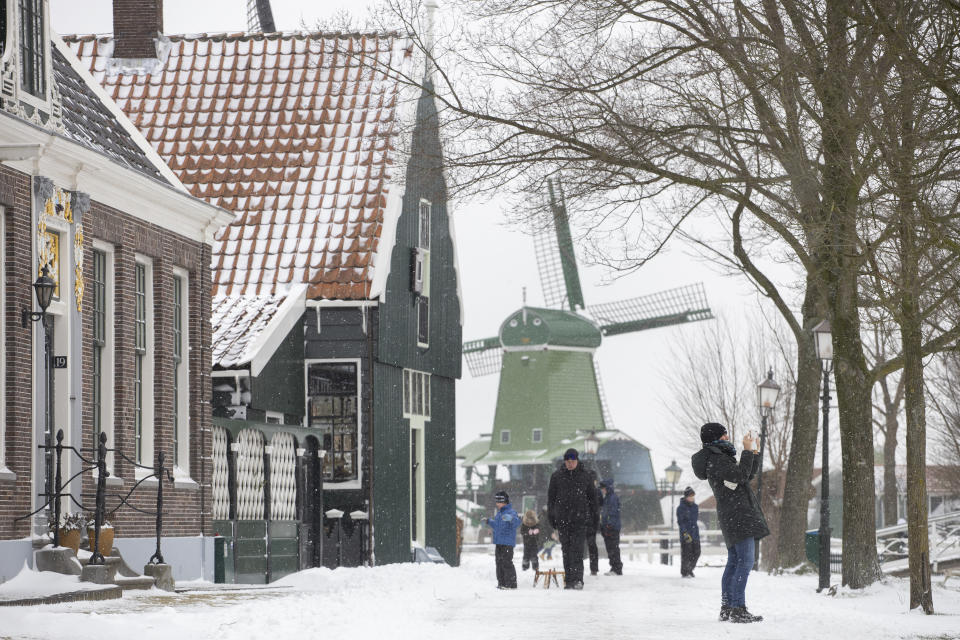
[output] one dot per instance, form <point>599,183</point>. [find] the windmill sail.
<point>483,357</point>
<point>662,309</point>
<point>260,17</point>
<point>607,419</point>
<point>556,261</point>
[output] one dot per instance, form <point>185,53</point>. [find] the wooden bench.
<point>548,575</point>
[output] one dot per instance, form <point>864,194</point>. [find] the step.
<point>131,583</point>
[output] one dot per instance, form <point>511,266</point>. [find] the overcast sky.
<point>496,261</point>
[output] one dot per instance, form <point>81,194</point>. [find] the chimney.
<point>136,26</point>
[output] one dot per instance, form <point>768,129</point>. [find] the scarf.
<point>725,446</point>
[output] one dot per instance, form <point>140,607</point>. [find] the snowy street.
<point>431,602</point>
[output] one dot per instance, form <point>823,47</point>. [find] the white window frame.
<point>5,473</point>
<point>412,378</point>
<point>536,436</point>
<point>424,248</point>
<point>182,373</point>
<point>148,388</point>
<point>41,102</point>
<point>358,482</point>
<point>108,356</point>
<point>273,417</point>
<point>505,436</point>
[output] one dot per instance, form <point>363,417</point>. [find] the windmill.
<point>550,386</point>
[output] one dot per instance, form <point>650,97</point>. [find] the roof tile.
<point>289,131</point>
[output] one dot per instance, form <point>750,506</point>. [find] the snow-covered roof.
<point>248,329</point>
<point>291,131</point>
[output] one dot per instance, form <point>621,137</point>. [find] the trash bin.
<point>811,544</point>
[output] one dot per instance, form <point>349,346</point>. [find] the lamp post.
<point>43,287</point>
<point>590,446</point>
<point>824,343</point>
<point>672,474</point>
<point>767,393</point>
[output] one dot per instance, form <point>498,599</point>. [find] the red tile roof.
<point>293,132</point>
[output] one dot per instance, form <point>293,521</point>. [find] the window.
<point>333,401</point>
<point>416,393</point>
<point>423,321</point>
<point>422,269</point>
<point>143,364</point>
<point>505,436</point>
<point>423,238</point>
<point>537,435</point>
<point>3,27</point>
<point>181,371</point>
<point>32,48</point>
<point>103,357</point>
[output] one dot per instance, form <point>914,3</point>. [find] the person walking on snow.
<point>687,515</point>
<point>530,534</point>
<point>610,527</point>
<point>572,509</point>
<point>738,511</point>
<point>592,552</point>
<point>504,524</point>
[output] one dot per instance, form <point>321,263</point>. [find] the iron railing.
<point>53,495</point>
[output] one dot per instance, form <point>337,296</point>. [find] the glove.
<point>687,537</point>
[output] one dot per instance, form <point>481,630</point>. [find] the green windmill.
<point>550,392</point>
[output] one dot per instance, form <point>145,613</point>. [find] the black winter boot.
<point>740,614</point>
<point>725,613</point>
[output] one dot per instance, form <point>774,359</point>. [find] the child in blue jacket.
<point>504,524</point>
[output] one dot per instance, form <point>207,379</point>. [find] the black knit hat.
<point>571,454</point>
<point>688,492</point>
<point>711,432</point>
<point>501,496</point>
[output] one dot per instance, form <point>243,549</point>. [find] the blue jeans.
<point>734,582</point>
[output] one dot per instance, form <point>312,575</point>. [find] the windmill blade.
<point>662,309</point>
<point>607,419</point>
<point>556,260</point>
<point>483,357</point>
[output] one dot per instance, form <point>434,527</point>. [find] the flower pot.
<point>70,538</point>
<point>106,540</point>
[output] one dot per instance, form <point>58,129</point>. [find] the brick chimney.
<point>136,26</point>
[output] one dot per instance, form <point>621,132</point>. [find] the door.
<point>311,518</point>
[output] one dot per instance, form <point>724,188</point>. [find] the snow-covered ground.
<point>430,602</point>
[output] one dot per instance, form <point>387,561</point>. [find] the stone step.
<point>138,582</point>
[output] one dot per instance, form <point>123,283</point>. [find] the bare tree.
<point>656,111</point>
<point>716,373</point>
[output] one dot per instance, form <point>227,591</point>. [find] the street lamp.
<point>767,393</point>
<point>672,474</point>
<point>590,446</point>
<point>43,287</point>
<point>824,344</point>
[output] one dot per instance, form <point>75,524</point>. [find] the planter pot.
<point>106,540</point>
<point>70,538</point>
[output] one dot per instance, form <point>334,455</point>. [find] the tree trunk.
<point>838,248</point>
<point>890,501</point>
<point>803,442</point>
<point>911,332</point>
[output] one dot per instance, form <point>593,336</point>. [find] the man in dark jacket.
<point>610,527</point>
<point>687,515</point>
<point>593,553</point>
<point>738,511</point>
<point>572,509</point>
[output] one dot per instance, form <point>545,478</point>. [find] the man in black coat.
<point>572,510</point>
<point>738,511</point>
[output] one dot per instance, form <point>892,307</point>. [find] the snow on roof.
<point>248,329</point>
<point>293,132</point>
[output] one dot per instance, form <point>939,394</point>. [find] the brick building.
<point>84,194</point>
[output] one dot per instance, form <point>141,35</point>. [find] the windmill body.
<point>550,396</point>
<point>548,387</point>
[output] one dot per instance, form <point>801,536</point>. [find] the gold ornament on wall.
<point>78,271</point>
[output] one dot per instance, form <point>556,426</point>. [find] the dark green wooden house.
<point>336,308</point>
